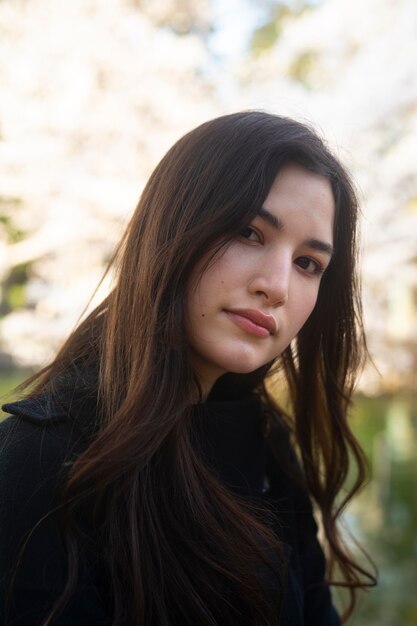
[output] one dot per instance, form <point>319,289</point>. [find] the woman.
<point>149,477</point>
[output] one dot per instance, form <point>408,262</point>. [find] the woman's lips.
<point>253,321</point>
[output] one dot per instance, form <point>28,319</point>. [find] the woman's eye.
<point>250,233</point>
<point>310,265</point>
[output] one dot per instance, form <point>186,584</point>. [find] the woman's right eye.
<point>251,234</point>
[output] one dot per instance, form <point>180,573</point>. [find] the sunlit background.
<point>92,92</point>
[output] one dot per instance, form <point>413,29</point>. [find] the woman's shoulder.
<point>36,419</point>
<point>36,451</point>
<point>61,416</point>
<point>35,447</point>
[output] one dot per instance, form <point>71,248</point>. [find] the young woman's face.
<point>259,290</point>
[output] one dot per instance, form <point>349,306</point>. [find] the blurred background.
<point>93,92</point>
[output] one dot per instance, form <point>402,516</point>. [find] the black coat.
<point>42,436</point>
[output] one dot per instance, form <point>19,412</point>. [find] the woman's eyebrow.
<point>275,222</point>
<point>322,246</point>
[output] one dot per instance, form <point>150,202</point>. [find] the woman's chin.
<point>244,365</point>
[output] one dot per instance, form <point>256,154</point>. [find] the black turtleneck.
<point>232,444</point>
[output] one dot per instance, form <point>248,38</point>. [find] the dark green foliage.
<point>13,289</point>
<point>13,232</point>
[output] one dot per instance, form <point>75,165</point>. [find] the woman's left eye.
<point>310,265</point>
<point>251,234</point>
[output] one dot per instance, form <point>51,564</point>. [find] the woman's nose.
<point>272,281</point>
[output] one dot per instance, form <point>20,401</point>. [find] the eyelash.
<point>251,230</point>
<point>318,270</point>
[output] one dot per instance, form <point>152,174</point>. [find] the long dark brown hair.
<point>176,544</point>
